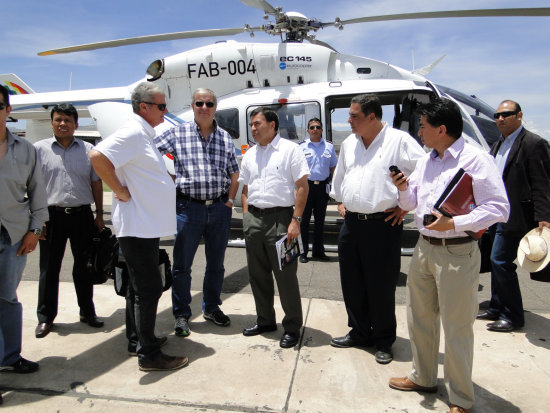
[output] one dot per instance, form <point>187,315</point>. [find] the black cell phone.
<point>428,219</point>
<point>395,169</point>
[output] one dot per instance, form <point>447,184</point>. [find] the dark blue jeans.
<point>506,299</point>
<point>196,220</point>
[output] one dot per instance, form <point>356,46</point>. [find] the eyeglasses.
<point>161,106</point>
<point>200,103</point>
<point>505,114</point>
<point>2,106</point>
<point>312,127</point>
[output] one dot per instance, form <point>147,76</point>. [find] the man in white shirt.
<point>274,174</point>
<point>143,211</point>
<point>369,244</point>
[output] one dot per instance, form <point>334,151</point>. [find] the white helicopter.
<point>300,80</point>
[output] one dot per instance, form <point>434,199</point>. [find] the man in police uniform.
<point>321,159</point>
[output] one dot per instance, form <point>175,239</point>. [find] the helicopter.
<point>301,77</point>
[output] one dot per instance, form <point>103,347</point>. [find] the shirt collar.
<point>454,150</point>
<point>149,130</point>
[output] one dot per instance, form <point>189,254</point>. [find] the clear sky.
<point>493,58</point>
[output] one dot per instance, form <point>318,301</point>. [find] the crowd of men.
<point>48,191</point>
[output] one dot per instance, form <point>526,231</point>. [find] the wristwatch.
<point>299,219</point>
<point>36,231</point>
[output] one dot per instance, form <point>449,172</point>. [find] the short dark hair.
<point>369,104</point>
<point>314,120</point>
<point>269,114</point>
<point>443,112</point>
<point>65,108</point>
<point>5,94</point>
<point>518,107</point>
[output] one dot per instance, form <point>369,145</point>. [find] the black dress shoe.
<point>256,329</point>
<point>303,259</point>
<point>384,355</point>
<point>323,257</point>
<point>502,325</point>
<point>347,341</point>
<point>288,340</point>
<point>42,330</point>
<point>93,321</point>
<point>487,315</point>
<point>21,366</point>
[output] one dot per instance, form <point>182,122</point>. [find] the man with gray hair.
<point>207,182</point>
<point>130,164</point>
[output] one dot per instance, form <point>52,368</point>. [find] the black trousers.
<point>144,292</point>
<point>370,261</point>
<point>76,227</point>
<point>317,201</point>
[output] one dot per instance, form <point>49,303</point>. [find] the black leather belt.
<point>71,210</point>
<point>366,217</point>
<point>447,241</point>
<point>318,182</point>
<point>263,211</point>
<point>201,201</point>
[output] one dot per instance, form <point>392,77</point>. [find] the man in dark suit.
<point>523,158</point>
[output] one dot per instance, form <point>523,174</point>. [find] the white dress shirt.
<point>271,172</point>
<point>362,178</point>
<point>151,210</point>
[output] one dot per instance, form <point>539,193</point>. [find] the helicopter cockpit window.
<point>293,118</point>
<point>228,119</point>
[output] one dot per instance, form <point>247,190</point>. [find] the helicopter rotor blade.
<point>514,12</point>
<point>320,43</point>
<point>260,4</point>
<point>150,39</point>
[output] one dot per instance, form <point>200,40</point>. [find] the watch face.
<point>37,232</point>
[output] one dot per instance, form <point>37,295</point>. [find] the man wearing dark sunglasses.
<point>321,159</point>
<point>523,159</point>
<point>207,182</point>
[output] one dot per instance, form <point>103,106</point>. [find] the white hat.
<point>534,250</point>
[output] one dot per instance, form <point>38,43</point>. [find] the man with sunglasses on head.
<point>207,182</point>
<point>23,211</point>
<point>523,159</point>
<point>72,186</point>
<point>321,159</point>
<point>143,211</point>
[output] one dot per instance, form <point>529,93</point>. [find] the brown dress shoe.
<point>458,409</point>
<point>42,330</point>
<point>163,362</point>
<point>405,384</point>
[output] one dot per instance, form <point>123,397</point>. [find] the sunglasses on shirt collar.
<point>497,115</point>
<point>199,104</point>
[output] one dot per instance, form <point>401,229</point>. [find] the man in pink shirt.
<point>444,273</point>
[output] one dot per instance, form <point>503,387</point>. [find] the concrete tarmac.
<point>88,369</point>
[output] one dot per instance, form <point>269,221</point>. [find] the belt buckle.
<point>209,202</point>
<point>316,182</point>
<point>443,241</point>
<point>67,210</point>
<point>362,217</point>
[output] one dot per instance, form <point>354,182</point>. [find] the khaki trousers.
<point>442,284</point>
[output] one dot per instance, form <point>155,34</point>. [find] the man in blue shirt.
<point>207,182</point>
<point>321,159</point>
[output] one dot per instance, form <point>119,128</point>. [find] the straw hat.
<point>534,250</point>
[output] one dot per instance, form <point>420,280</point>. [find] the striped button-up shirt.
<point>203,168</point>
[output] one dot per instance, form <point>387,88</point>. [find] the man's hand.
<point>28,244</point>
<point>123,195</point>
<point>98,222</point>
<point>341,209</point>
<point>400,180</point>
<point>293,229</point>
<point>397,214</point>
<point>543,224</point>
<point>442,223</point>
